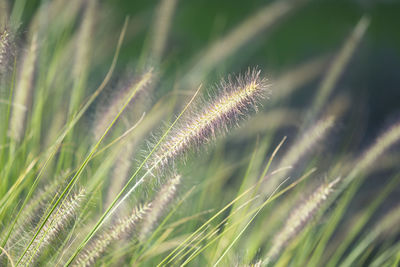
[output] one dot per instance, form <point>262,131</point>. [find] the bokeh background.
<point>298,48</point>
<point>315,29</point>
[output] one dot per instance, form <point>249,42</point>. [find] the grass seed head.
<point>161,202</point>
<point>236,98</point>
<point>99,245</point>
<point>300,217</point>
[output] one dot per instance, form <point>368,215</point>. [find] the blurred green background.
<point>316,29</point>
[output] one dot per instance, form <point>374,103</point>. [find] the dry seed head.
<point>299,218</point>
<point>159,205</point>
<point>238,96</point>
<point>99,245</point>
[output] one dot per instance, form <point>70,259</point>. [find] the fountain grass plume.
<point>132,88</point>
<point>99,245</point>
<point>299,218</point>
<point>57,223</point>
<point>237,96</point>
<point>159,205</point>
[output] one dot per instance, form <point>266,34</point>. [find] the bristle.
<point>237,98</point>
<point>99,245</point>
<point>299,218</point>
<point>159,205</point>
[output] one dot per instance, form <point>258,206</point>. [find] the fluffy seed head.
<point>130,91</point>
<point>159,205</point>
<point>99,245</point>
<point>57,222</point>
<point>299,218</point>
<point>237,96</point>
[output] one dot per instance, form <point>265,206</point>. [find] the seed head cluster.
<point>204,122</point>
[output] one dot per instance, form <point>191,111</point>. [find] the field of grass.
<point>131,141</point>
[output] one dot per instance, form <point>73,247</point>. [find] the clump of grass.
<point>233,199</point>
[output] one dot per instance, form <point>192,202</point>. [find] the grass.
<point>104,163</point>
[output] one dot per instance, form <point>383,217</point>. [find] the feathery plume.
<point>57,222</point>
<point>237,98</point>
<point>299,218</point>
<point>35,208</point>
<point>338,66</point>
<point>161,28</point>
<point>309,139</point>
<point>134,87</point>
<point>23,90</point>
<point>159,205</point>
<point>384,142</point>
<point>295,78</point>
<point>99,245</point>
<point>83,54</point>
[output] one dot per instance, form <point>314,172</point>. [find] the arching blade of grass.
<point>269,199</point>
<point>254,212</point>
<point>337,67</point>
<point>212,232</point>
<point>170,257</point>
<point>258,183</point>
